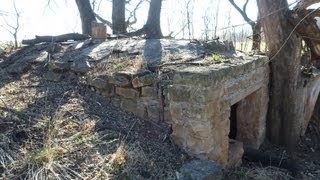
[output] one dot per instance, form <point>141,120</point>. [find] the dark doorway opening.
<point>233,122</point>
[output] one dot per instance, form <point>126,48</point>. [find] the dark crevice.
<point>233,122</point>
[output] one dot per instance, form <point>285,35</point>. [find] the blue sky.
<point>61,16</point>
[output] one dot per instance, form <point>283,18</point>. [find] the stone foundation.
<point>189,85</point>
<point>196,101</point>
<point>200,101</point>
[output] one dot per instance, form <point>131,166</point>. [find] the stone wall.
<point>178,85</point>
<point>200,101</point>
<point>196,101</point>
<point>138,93</point>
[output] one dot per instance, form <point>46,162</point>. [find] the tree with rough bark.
<point>286,108</point>
<point>119,23</point>
<point>118,17</point>
<point>255,26</point>
<point>152,28</point>
<point>86,14</point>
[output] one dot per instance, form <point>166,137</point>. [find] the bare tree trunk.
<point>217,18</point>
<point>256,36</point>
<point>285,114</point>
<point>86,14</point>
<point>118,17</point>
<point>255,26</point>
<point>152,28</point>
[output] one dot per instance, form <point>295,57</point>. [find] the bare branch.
<point>303,4</point>
<point>242,12</point>
<point>133,14</point>
<point>11,32</point>
<point>104,21</point>
<point>244,9</point>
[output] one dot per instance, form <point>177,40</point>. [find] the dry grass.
<point>115,64</point>
<point>258,173</point>
<point>60,140</point>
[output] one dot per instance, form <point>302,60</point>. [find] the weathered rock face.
<point>310,93</point>
<point>251,117</point>
<point>235,153</point>
<point>200,100</point>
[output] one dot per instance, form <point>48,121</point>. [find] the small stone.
<point>41,58</point>
<point>235,153</point>
<point>144,79</point>
<point>127,93</point>
<point>58,66</point>
<point>51,76</point>
<point>121,80</point>
<point>200,170</point>
<point>134,107</point>
<point>148,92</point>
<point>98,82</point>
<point>80,66</point>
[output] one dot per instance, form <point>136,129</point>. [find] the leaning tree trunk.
<point>118,17</point>
<point>86,15</point>
<point>285,114</point>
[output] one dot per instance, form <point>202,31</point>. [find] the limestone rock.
<point>134,107</point>
<point>148,92</point>
<point>235,153</point>
<point>251,122</point>
<point>120,80</point>
<point>127,93</point>
<point>43,56</point>
<point>144,79</point>
<point>219,46</point>
<point>80,66</point>
<point>58,66</point>
<point>200,170</point>
<point>98,82</point>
